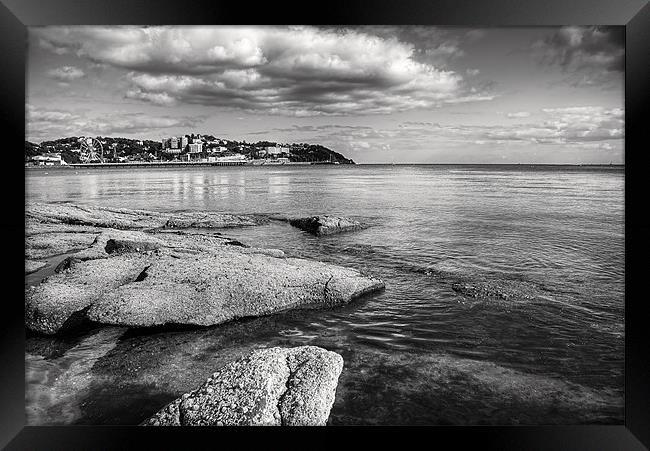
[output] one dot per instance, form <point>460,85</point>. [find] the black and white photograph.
<point>237,225</point>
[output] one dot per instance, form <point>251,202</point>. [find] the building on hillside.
<point>196,147</point>
<point>46,160</point>
<point>171,145</point>
<point>276,150</point>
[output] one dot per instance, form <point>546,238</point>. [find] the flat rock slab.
<point>33,266</point>
<point>270,387</point>
<point>128,274</point>
<point>123,218</point>
<point>325,225</point>
<point>44,245</point>
<point>162,287</point>
<point>138,279</point>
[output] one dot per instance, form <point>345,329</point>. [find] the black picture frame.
<point>16,15</point>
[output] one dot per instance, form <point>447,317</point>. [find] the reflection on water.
<point>503,302</point>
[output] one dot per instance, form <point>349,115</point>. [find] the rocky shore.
<point>136,268</point>
<point>140,269</point>
<point>269,387</point>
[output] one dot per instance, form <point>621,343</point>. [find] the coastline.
<point>183,164</point>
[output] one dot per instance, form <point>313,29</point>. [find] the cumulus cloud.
<point>591,55</point>
<point>301,71</point>
<point>45,123</point>
<point>66,73</point>
<point>439,46</point>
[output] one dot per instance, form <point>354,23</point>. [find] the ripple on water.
<point>542,249</point>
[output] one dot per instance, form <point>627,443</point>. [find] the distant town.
<point>183,149</point>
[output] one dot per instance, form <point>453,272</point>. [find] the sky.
<point>376,94</point>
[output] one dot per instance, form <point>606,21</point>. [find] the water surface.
<point>504,300</point>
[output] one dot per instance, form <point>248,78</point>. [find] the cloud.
<point>580,127</point>
<point>298,71</point>
<point>518,114</point>
<point>312,128</point>
<point>66,73</point>
<point>591,55</point>
<point>438,46</point>
<point>45,123</point>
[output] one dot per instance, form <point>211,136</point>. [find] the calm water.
<point>545,346</point>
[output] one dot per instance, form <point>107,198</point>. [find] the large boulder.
<point>325,225</point>
<point>147,284</point>
<point>273,387</point>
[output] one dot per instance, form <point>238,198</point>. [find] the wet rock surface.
<point>325,225</point>
<point>496,290</point>
<point>276,386</point>
<point>149,278</point>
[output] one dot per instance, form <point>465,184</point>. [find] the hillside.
<point>146,150</point>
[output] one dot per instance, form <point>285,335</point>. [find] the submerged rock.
<point>496,290</point>
<point>325,225</point>
<point>276,386</point>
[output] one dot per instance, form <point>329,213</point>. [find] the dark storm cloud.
<point>300,71</point>
<point>591,55</point>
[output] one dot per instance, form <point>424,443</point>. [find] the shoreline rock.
<point>325,225</point>
<point>32,266</point>
<point>128,219</point>
<point>268,387</point>
<point>140,278</point>
<point>162,287</point>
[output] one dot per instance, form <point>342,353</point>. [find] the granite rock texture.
<point>269,387</point>
<point>141,278</point>
<point>325,225</point>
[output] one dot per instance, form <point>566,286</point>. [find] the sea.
<point>504,299</point>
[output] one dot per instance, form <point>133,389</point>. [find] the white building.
<point>196,147</point>
<point>276,150</point>
<point>232,158</point>
<point>47,160</point>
